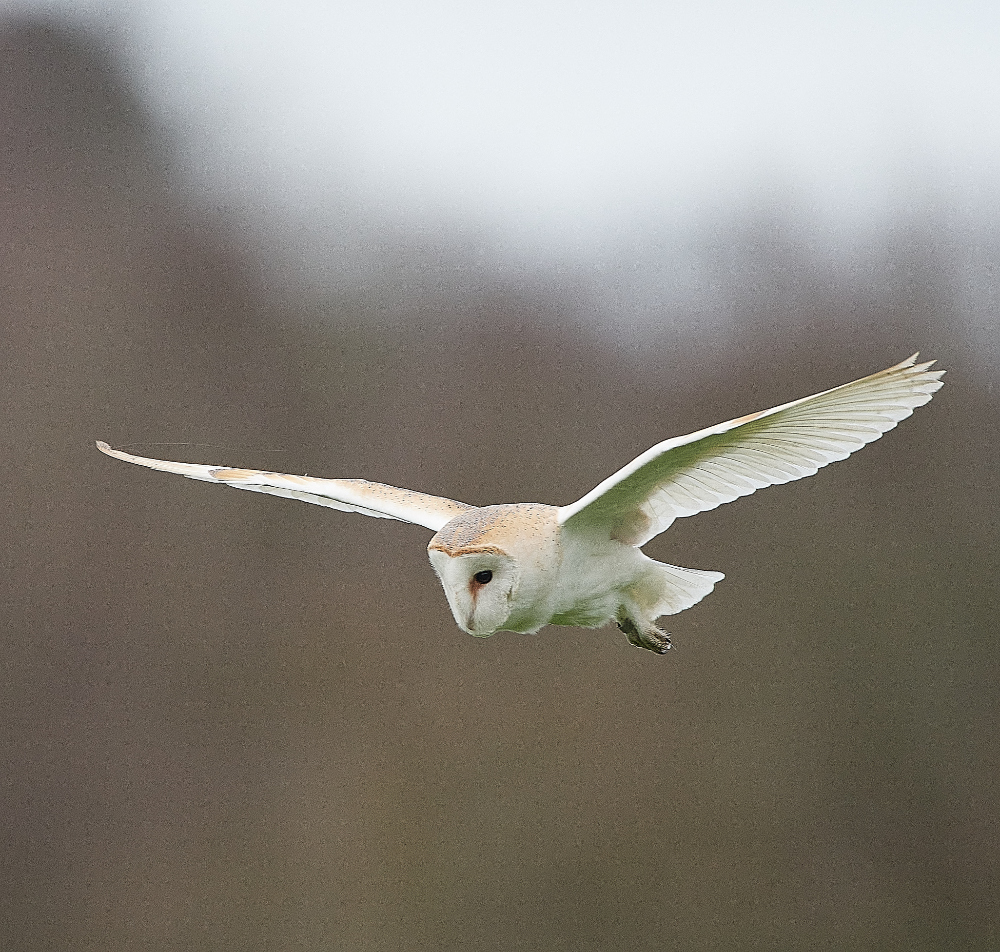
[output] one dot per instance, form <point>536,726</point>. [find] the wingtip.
<point>911,361</point>
<point>925,371</point>
<point>113,453</point>
<point>912,368</point>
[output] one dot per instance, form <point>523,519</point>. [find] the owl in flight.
<point>522,566</point>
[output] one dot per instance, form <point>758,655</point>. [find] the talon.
<point>661,644</point>
<point>650,638</point>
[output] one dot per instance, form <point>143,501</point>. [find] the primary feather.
<point>697,472</point>
<point>348,495</point>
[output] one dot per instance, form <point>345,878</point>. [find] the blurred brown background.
<point>235,722</point>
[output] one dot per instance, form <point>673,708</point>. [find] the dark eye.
<point>483,577</point>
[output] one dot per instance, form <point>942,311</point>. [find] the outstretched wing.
<point>693,473</point>
<point>349,495</point>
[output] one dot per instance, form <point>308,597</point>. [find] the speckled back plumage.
<point>495,528</point>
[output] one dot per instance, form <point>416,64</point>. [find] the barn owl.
<point>522,566</point>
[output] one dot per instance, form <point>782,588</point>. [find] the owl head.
<point>480,585</point>
<point>492,563</point>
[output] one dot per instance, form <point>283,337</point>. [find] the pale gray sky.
<point>552,115</point>
<point>554,130</point>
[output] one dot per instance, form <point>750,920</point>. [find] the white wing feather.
<point>348,495</point>
<point>703,470</point>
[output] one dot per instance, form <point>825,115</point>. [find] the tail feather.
<point>681,588</point>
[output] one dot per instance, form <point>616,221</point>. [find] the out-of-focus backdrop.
<point>492,255</point>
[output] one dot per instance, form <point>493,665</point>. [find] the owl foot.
<point>649,636</point>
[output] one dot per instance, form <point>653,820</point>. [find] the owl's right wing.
<point>697,472</point>
<point>348,495</point>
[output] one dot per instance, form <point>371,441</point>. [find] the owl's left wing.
<point>703,470</point>
<point>348,495</point>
